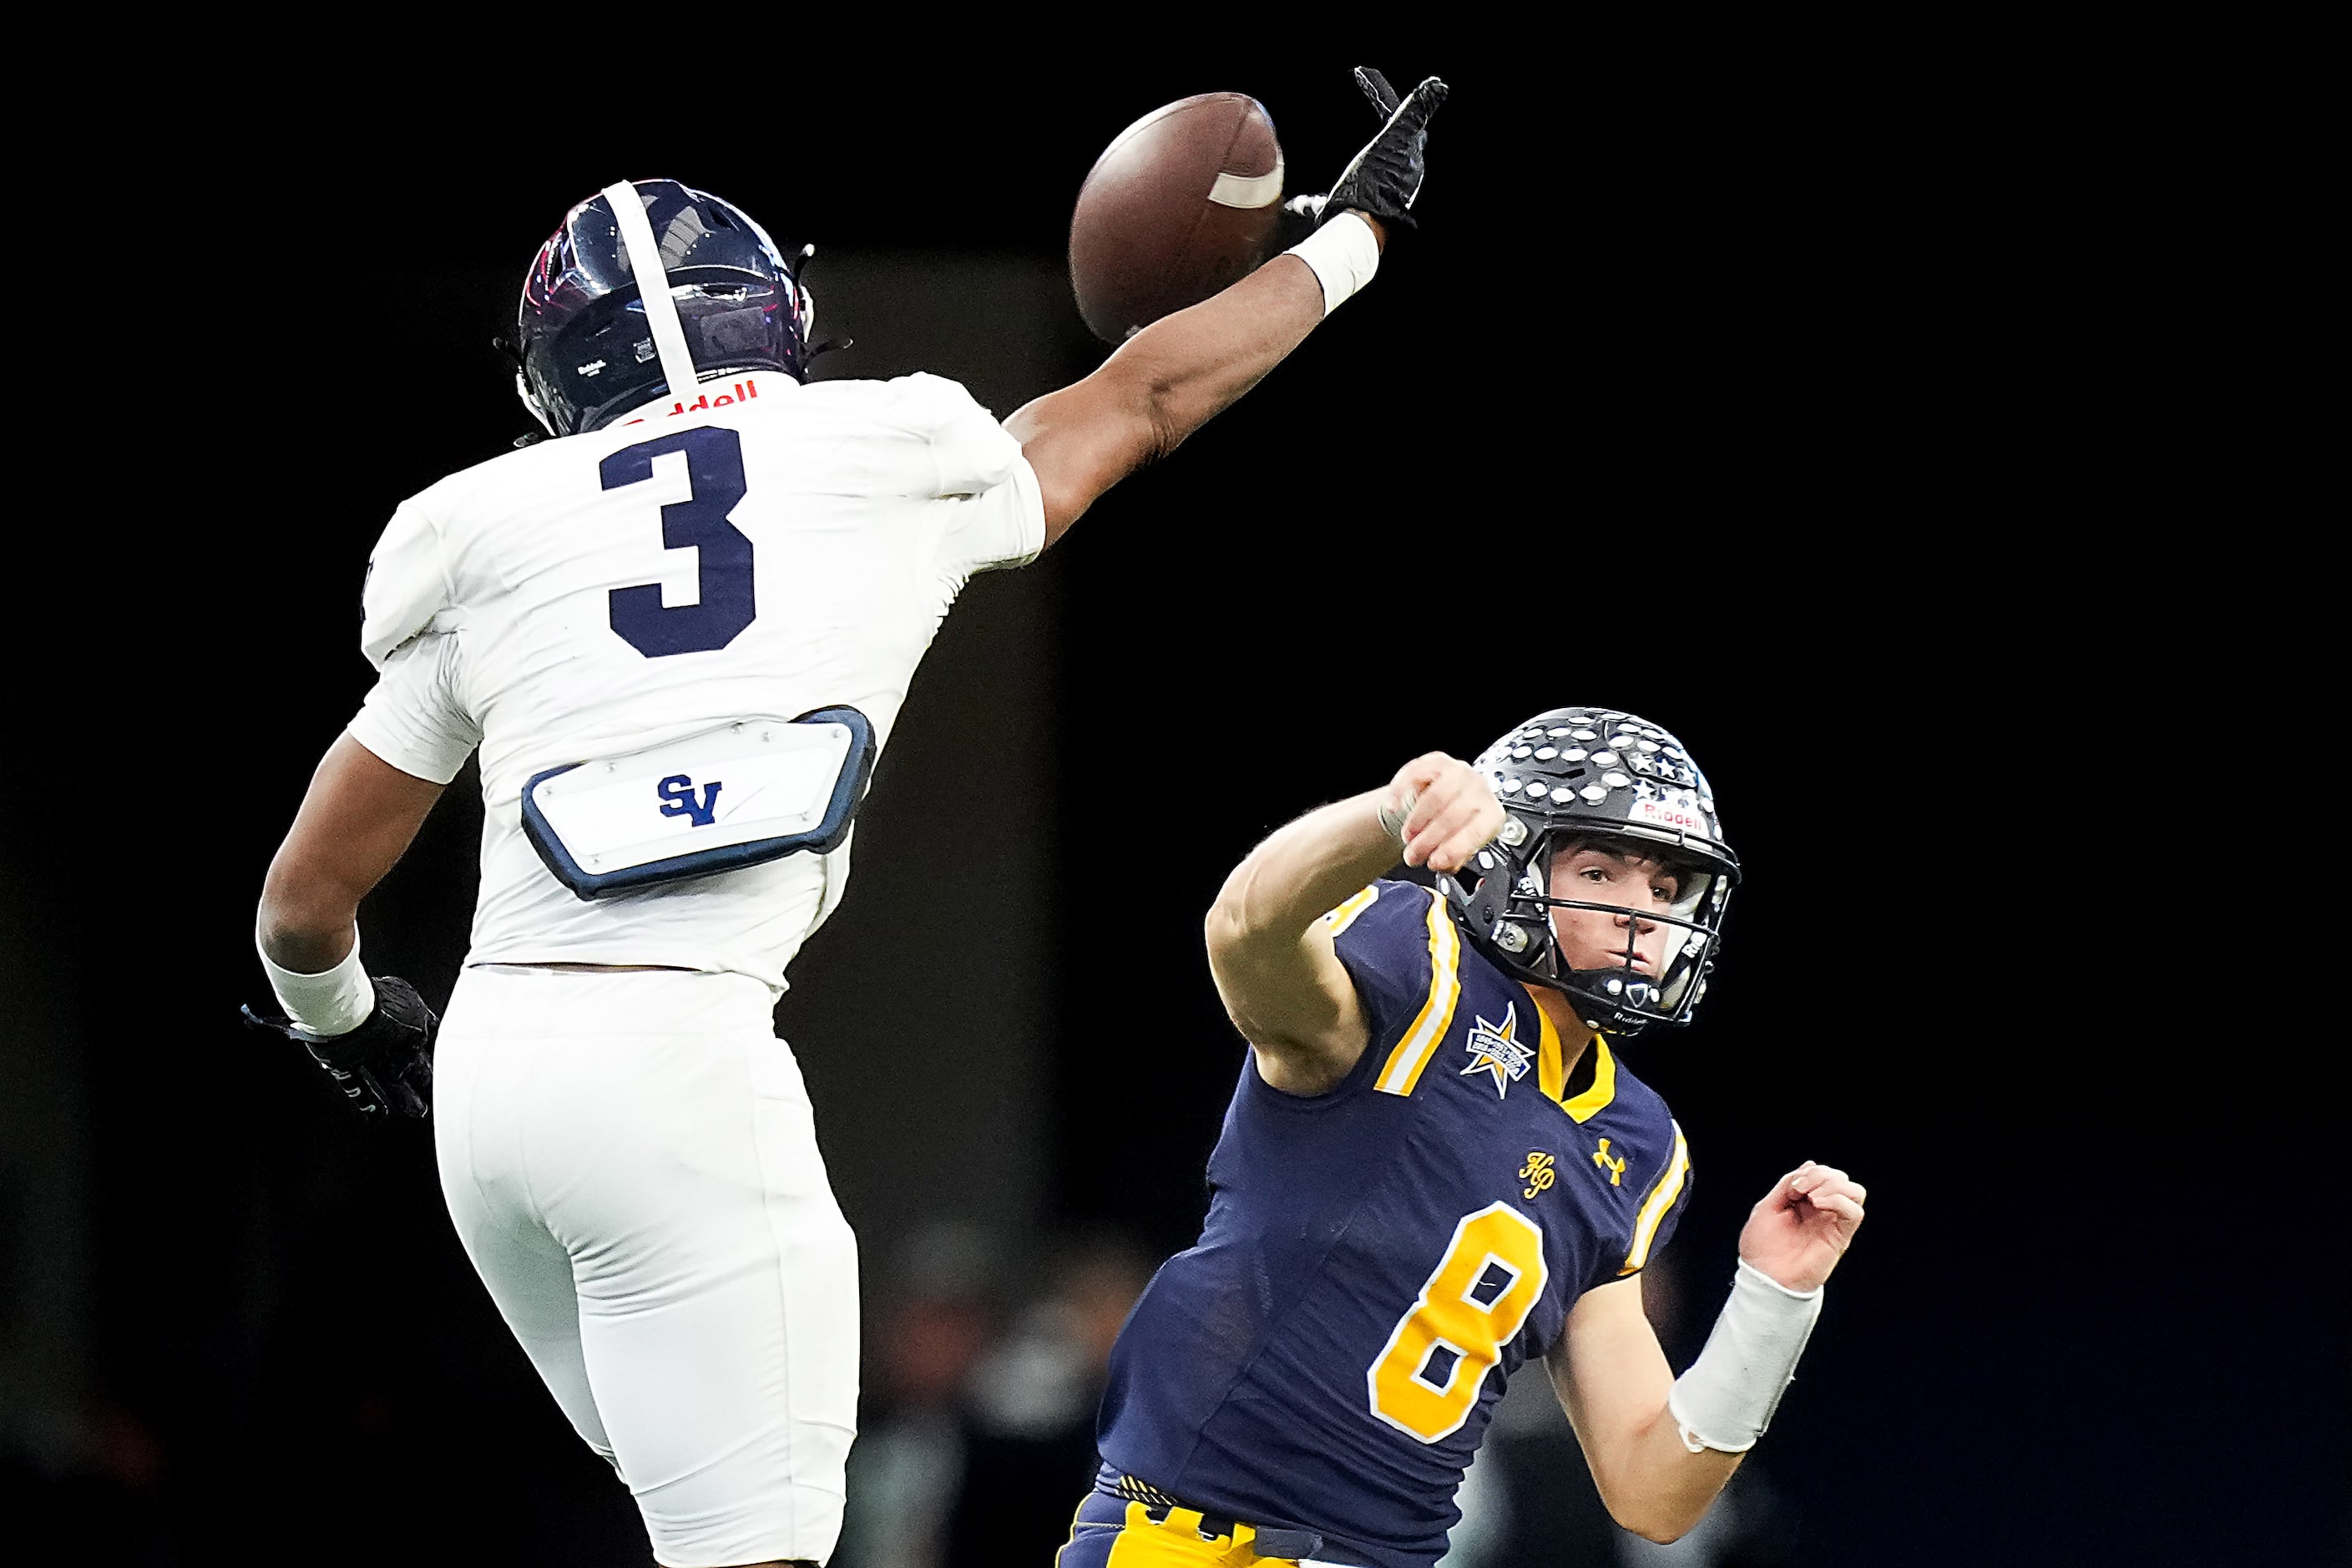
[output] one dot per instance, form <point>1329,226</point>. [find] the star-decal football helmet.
<point>587,351</point>
<point>1580,776</point>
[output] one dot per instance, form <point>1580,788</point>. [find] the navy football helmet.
<point>1576,776</point>
<point>585,348</point>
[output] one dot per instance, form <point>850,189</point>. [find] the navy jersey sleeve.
<point>1387,939</point>
<point>1664,1196</point>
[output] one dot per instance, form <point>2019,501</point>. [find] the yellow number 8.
<point>1428,1377</point>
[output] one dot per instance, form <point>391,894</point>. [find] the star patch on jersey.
<point>1494,1048</point>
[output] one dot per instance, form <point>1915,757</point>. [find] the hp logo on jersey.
<point>677,799</point>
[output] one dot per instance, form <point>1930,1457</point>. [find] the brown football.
<point>1182,204</point>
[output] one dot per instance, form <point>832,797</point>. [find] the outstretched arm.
<point>1277,973</point>
<point>1181,371</point>
<point>1163,384</point>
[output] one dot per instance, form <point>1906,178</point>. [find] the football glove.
<point>1385,178</point>
<point>385,1065</point>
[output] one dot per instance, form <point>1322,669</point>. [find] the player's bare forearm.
<point>1613,1381</point>
<point>1276,968</point>
<point>1276,971</point>
<point>1434,811</point>
<point>357,820</point>
<point>1163,385</point>
<point>1300,872</point>
<point>1656,1487</point>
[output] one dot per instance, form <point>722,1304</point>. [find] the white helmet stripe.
<point>653,286</point>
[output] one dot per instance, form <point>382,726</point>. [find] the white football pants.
<point>633,1168</point>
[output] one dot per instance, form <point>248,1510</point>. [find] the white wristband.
<point>1344,253</point>
<point>1727,1398</point>
<point>335,1002</point>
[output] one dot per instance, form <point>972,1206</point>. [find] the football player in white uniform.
<point>678,636</point>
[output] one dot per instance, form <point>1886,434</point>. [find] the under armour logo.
<point>1615,1167</point>
<point>1537,1174</point>
<point>677,799</point>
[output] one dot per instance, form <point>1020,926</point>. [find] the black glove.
<point>1384,179</point>
<point>385,1065</point>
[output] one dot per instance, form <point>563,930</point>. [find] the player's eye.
<point>1664,891</point>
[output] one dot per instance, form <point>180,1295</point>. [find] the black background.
<point>1753,402</point>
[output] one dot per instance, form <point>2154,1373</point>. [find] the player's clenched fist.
<point>1440,811</point>
<point>1803,1226</point>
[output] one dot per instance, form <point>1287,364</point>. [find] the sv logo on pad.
<point>677,799</point>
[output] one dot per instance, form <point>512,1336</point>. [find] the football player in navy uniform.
<point>679,635</point>
<point>1436,1167</point>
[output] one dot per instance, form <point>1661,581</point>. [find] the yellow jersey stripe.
<point>1412,1053</point>
<point>1551,1072</point>
<point>1551,1058</point>
<point>1343,917</point>
<point>1595,1100</point>
<point>1662,1198</point>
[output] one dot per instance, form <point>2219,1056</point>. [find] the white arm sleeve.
<point>413,720</point>
<point>330,1003</point>
<point>1727,1398</point>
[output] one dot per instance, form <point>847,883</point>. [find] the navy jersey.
<point>1379,1259</point>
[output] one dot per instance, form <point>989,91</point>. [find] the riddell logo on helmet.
<point>1665,814</point>
<point>745,391</point>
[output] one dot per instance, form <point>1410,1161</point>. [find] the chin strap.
<point>511,352</point>
<point>809,350</point>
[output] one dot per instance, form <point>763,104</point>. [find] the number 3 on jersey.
<point>714,467</point>
<point>1428,1378</point>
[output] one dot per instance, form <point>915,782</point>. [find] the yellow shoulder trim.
<point>1551,1056</point>
<point>1551,1072</point>
<point>1662,1198</point>
<point>1594,1100</point>
<point>1343,917</point>
<point>1412,1053</point>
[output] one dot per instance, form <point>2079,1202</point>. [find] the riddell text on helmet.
<point>1664,814</point>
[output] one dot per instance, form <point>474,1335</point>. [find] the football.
<point>1182,202</point>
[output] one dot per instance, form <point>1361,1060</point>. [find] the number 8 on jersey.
<point>1490,1278</point>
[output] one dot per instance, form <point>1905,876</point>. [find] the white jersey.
<point>805,542</point>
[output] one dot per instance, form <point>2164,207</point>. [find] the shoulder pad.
<point>970,451</point>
